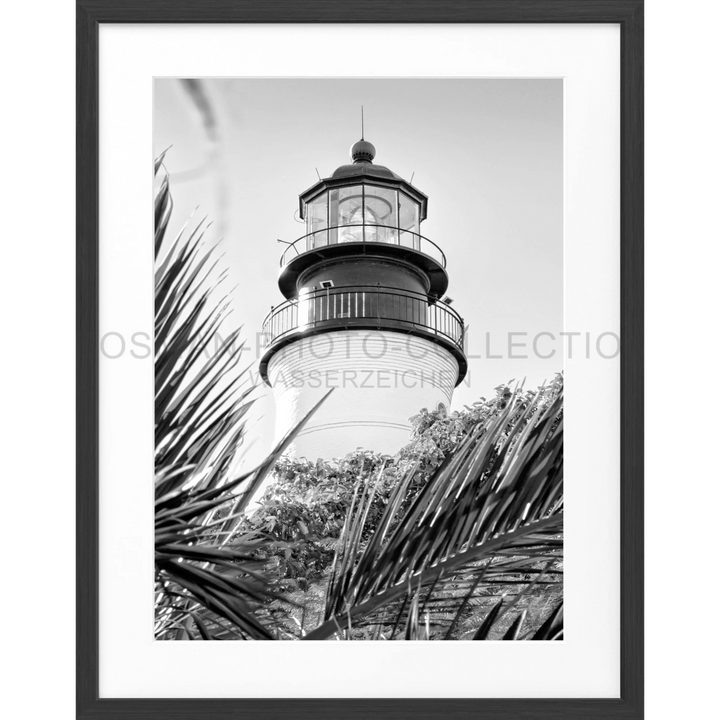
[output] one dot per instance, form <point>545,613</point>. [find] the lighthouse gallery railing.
<point>360,305</point>
<point>365,233</point>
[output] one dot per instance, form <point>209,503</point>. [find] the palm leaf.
<point>207,575</point>
<point>484,630</point>
<point>488,516</point>
<point>552,628</point>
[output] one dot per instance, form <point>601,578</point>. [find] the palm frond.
<point>490,516</point>
<point>208,578</point>
<point>552,628</point>
<point>484,630</point>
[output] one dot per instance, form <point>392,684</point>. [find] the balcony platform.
<point>364,308</point>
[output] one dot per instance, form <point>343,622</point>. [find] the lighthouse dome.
<point>362,151</point>
<point>363,154</point>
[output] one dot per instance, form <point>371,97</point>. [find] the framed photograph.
<point>348,275</point>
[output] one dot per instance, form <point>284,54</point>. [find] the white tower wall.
<point>380,379</point>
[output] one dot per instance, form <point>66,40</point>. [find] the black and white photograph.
<point>359,358</point>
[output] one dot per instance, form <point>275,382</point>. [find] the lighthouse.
<point>365,314</point>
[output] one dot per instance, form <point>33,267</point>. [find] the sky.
<point>487,152</point>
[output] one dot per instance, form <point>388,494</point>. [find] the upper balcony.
<point>362,234</point>
<point>365,233</point>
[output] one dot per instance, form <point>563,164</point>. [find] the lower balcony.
<point>365,307</point>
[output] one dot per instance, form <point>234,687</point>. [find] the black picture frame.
<point>629,15</point>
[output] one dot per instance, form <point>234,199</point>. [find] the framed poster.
<point>260,695</point>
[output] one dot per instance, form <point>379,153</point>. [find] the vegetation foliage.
<point>209,582</point>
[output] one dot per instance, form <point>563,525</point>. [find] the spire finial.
<point>362,151</point>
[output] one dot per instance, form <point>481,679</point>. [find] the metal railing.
<point>340,234</point>
<point>360,305</point>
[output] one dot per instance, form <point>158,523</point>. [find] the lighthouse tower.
<point>363,314</point>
